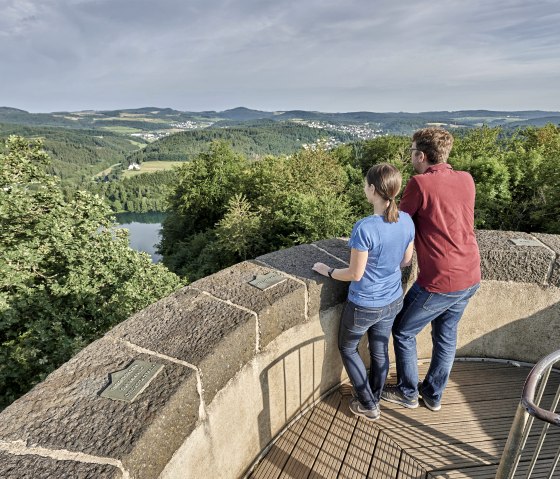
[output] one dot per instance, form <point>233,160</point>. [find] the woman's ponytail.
<point>391,214</point>
<point>387,181</point>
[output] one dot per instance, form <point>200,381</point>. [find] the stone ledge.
<point>553,242</point>
<point>502,260</point>
<point>297,261</point>
<point>278,308</point>
<point>66,412</point>
<point>213,336</point>
<point>339,247</point>
<point>38,467</point>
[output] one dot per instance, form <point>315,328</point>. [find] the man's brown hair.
<point>436,143</point>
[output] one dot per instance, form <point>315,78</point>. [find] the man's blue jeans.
<point>443,310</point>
<point>377,322</point>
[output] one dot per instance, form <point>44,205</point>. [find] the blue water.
<point>144,231</point>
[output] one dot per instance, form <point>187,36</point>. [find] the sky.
<point>278,55</point>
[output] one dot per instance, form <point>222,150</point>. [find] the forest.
<point>68,276</point>
<point>225,208</point>
<point>267,137</point>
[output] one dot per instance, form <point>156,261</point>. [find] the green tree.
<point>198,201</point>
<point>238,232</point>
<point>240,210</point>
<point>66,275</point>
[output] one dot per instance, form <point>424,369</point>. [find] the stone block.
<point>297,261</point>
<point>66,411</point>
<point>553,242</point>
<point>191,326</point>
<point>337,247</point>
<point>502,260</point>
<point>38,467</point>
<point>279,307</point>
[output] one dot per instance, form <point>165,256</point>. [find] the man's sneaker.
<point>429,403</point>
<point>369,414</point>
<point>394,395</point>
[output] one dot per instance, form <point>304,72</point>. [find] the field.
<point>124,130</point>
<point>152,166</point>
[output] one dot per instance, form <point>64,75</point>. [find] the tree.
<point>198,201</point>
<point>225,209</point>
<point>238,231</point>
<point>66,275</point>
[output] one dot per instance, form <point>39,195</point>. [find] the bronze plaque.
<point>128,383</point>
<point>525,242</point>
<point>265,281</point>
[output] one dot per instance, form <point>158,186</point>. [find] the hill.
<point>150,119</point>
<point>76,155</point>
<point>256,139</point>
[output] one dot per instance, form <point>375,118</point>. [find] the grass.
<point>152,166</point>
<point>121,129</point>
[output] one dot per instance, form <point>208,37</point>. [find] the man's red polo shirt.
<point>441,203</point>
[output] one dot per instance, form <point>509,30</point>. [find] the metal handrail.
<point>527,410</point>
<point>542,368</point>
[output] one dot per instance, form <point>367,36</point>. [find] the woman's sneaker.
<point>357,408</point>
<point>393,394</point>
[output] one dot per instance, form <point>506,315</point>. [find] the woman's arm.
<point>407,258</point>
<point>354,272</point>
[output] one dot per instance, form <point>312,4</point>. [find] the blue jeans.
<point>443,310</point>
<point>377,322</point>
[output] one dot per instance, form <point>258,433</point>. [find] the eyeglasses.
<point>410,150</point>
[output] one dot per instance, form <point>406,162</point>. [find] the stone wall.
<point>241,363</point>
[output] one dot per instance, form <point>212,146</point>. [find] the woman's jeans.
<point>377,322</point>
<point>443,310</point>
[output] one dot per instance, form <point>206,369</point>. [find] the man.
<point>441,204</point>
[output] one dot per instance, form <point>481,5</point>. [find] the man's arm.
<point>407,258</point>
<point>411,198</point>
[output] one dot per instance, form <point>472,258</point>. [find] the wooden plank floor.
<point>463,440</point>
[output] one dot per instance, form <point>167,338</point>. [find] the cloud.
<point>323,55</point>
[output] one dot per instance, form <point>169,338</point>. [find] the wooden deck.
<point>464,439</point>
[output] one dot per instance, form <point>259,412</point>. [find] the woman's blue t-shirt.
<point>386,244</point>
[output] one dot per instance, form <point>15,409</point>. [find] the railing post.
<point>514,445</point>
<point>528,409</point>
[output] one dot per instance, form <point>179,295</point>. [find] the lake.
<point>144,231</point>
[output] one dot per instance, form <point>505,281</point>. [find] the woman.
<point>381,245</point>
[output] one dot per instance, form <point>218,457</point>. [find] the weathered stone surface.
<point>324,292</point>
<point>337,247</point>
<point>194,327</point>
<point>279,307</point>
<point>66,412</point>
<point>503,261</point>
<point>553,242</point>
<point>37,467</point>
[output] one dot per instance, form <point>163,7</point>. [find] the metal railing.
<point>527,410</point>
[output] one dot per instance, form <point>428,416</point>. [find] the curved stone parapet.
<point>239,364</point>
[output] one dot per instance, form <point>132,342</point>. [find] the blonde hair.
<point>387,181</point>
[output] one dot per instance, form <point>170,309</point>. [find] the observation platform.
<point>235,373</point>
<point>465,439</point>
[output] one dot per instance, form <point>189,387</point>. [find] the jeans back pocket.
<point>437,302</point>
<point>364,318</point>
